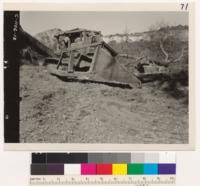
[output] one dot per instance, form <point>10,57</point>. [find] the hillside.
<point>180,31</point>
<point>176,38</point>
<point>54,111</point>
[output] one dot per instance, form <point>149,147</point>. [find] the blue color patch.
<point>151,168</point>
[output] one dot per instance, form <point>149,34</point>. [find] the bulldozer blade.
<point>105,67</point>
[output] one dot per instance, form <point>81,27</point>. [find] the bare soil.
<point>55,111</point>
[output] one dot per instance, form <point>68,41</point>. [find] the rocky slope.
<point>48,39</point>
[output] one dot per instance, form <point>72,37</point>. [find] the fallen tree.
<point>26,40</point>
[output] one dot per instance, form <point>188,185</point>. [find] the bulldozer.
<point>84,56</point>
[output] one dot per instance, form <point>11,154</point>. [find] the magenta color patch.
<point>88,169</point>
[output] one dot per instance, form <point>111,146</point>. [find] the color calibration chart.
<point>137,169</point>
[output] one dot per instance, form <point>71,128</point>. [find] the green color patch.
<point>135,169</point>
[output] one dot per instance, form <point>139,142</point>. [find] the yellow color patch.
<point>119,169</point>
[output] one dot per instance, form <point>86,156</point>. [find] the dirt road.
<point>71,112</point>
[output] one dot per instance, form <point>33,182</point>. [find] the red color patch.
<point>104,169</point>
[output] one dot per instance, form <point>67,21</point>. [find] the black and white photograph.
<point>103,77</point>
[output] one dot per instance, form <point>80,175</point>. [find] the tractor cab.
<point>77,45</point>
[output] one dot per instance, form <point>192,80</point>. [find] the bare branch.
<point>164,52</point>
<point>181,55</point>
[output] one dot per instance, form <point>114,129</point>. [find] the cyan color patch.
<point>151,168</point>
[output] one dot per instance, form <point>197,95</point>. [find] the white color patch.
<point>167,157</point>
<point>72,169</point>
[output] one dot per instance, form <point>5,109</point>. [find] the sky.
<point>107,22</point>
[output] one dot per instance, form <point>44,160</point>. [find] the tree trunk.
<point>164,52</point>
<point>29,40</point>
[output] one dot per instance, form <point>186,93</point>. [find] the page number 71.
<point>184,6</point>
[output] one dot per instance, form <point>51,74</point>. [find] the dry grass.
<point>71,112</point>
